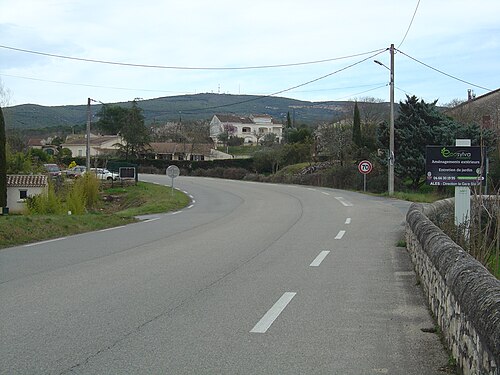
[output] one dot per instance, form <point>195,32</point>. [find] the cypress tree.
<point>3,163</point>
<point>356,128</point>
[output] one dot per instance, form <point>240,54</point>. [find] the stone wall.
<point>463,296</point>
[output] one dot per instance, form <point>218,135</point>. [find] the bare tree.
<point>335,140</point>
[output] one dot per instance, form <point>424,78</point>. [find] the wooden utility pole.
<point>87,153</point>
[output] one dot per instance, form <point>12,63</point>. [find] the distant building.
<point>483,110</point>
<point>42,144</point>
<point>99,145</point>
<point>20,187</point>
<point>251,129</point>
<point>184,151</point>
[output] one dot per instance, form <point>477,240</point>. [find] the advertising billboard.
<point>455,166</point>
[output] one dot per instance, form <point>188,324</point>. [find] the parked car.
<point>104,174</point>
<point>53,170</point>
<point>76,171</point>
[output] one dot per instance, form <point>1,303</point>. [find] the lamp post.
<point>391,125</point>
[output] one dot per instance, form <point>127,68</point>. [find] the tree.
<point>3,162</point>
<point>335,141</point>
<point>134,132</point>
<point>112,118</point>
<point>300,135</point>
<point>418,125</point>
<point>268,140</point>
<point>356,127</point>
<point>288,120</point>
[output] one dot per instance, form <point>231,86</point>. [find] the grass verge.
<point>117,206</point>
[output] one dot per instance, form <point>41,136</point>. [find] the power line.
<point>362,92</point>
<point>411,22</point>
<point>446,74</point>
<point>183,67</point>
<point>86,85</point>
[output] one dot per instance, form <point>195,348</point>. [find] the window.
<point>80,152</point>
<point>246,130</point>
<point>23,194</point>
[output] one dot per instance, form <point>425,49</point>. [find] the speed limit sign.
<point>365,167</point>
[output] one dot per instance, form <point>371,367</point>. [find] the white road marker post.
<point>462,198</point>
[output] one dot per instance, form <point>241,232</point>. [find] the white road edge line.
<point>150,220</point>
<point>344,202</point>
<point>190,206</point>
<point>44,242</point>
<point>348,220</point>
<point>324,192</point>
<point>340,235</point>
<point>112,228</point>
<point>316,262</point>
<point>265,322</point>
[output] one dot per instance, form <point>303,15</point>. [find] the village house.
<point>99,145</point>
<point>20,187</point>
<point>251,129</point>
<point>483,110</point>
<point>43,144</point>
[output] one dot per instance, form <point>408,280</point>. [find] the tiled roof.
<point>234,119</point>
<point>23,180</point>
<point>93,141</point>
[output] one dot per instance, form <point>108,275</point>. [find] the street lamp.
<point>391,125</point>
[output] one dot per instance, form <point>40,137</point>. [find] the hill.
<point>187,107</point>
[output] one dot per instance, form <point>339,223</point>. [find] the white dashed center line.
<point>340,235</point>
<point>348,220</point>
<point>265,322</point>
<point>316,262</point>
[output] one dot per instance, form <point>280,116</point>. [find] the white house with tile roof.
<point>20,187</point>
<point>252,129</point>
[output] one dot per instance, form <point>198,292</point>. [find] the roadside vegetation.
<point>47,216</point>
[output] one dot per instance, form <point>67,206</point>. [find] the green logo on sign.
<point>458,154</point>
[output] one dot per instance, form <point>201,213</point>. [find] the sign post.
<point>364,167</point>
<point>173,172</point>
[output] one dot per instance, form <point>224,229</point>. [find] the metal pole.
<point>391,133</point>
<point>87,152</point>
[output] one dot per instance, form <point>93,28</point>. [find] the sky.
<point>314,50</point>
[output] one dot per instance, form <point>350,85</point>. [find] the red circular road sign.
<point>365,167</point>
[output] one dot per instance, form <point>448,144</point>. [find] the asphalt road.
<point>249,279</point>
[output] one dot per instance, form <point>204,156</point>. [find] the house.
<point>42,144</point>
<point>483,110</point>
<point>252,129</point>
<point>20,187</point>
<point>184,151</point>
<point>99,145</point>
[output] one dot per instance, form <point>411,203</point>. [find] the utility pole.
<point>88,135</point>
<point>391,133</point>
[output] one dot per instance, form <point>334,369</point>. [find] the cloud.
<point>456,36</point>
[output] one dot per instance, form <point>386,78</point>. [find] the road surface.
<point>249,279</point>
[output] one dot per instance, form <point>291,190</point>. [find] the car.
<point>53,170</point>
<point>76,171</point>
<point>104,174</point>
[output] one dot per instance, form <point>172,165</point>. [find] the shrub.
<point>90,187</point>
<point>44,204</point>
<point>234,173</point>
<point>76,198</point>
